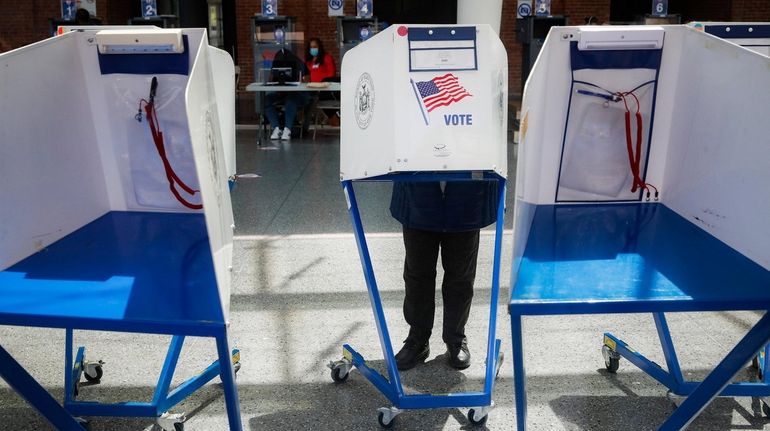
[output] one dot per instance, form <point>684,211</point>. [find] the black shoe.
<point>459,356</point>
<point>412,354</point>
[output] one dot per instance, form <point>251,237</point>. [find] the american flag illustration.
<point>441,91</point>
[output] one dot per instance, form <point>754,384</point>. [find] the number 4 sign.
<point>660,7</point>
<point>364,9</point>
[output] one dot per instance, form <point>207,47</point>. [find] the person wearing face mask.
<point>321,66</point>
<point>319,62</point>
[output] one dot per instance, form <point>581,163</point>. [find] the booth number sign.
<point>149,8</point>
<point>270,7</point>
<point>660,7</point>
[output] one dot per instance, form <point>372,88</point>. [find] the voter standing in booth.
<point>446,216</point>
<point>419,109</point>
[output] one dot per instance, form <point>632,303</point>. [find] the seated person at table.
<point>319,62</point>
<point>321,66</point>
<point>292,100</point>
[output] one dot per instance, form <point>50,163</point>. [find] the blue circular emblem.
<point>279,34</point>
<point>365,33</point>
<point>525,9</point>
<point>335,4</point>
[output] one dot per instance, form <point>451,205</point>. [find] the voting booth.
<point>423,103</point>
<point>640,188</point>
<point>751,35</point>
<point>115,206</point>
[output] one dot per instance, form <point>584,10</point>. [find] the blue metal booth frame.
<point>391,387</point>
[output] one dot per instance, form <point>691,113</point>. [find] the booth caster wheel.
<point>340,370</point>
<point>386,416</point>
<point>611,359</point>
<point>171,422</point>
<point>474,420</point>
<point>86,424</point>
<point>339,375</point>
<point>477,416</point>
<point>93,372</point>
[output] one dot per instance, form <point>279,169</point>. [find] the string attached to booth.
<point>634,151</point>
<point>157,137</point>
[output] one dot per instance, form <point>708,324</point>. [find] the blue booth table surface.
<point>638,258</point>
<point>630,258</point>
<point>142,272</point>
<point>136,271</point>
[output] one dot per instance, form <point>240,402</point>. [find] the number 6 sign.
<point>660,7</point>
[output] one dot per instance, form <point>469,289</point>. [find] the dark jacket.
<point>462,206</point>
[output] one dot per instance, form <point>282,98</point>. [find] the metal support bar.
<point>720,377</point>
<point>188,387</point>
<point>684,388</point>
<point>29,389</point>
<point>129,409</point>
<point>672,361</point>
<point>375,378</point>
<point>492,351</point>
<point>227,374</point>
<point>167,373</point>
<point>69,378</point>
<point>519,372</point>
<point>374,293</point>
<point>651,368</point>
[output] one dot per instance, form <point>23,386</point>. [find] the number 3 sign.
<point>270,7</point>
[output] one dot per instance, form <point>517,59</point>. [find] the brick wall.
<point>29,22</point>
<point>750,10</point>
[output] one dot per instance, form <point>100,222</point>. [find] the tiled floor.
<point>299,294</point>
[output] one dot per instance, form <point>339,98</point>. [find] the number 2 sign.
<point>149,8</point>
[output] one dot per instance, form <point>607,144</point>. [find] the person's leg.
<point>294,101</point>
<point>459,253</point>
<point>270,112</point>
<point>422,249</point>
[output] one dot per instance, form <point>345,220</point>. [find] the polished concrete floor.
<point>299,294</point>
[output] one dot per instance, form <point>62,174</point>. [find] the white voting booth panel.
<point>72,149</point>
<point>709,147</point>
<point>754,36</point>
<point>424,98</point>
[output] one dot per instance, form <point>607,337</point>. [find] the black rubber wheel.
<point>473,421</point>
<point>381,420</point>
<point>765,409</point>
<point>338,377</point>
<point>95,378</point>
<point>179,426</point>
<point>612,365</point>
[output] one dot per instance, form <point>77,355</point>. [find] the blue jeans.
<point>292,101</point>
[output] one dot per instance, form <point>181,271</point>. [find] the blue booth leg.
<point>227,373</point>
<point>519,374</point>
<point>720,377</point>
<point>29,389</point>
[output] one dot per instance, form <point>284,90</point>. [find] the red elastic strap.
<point>171,176</point>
